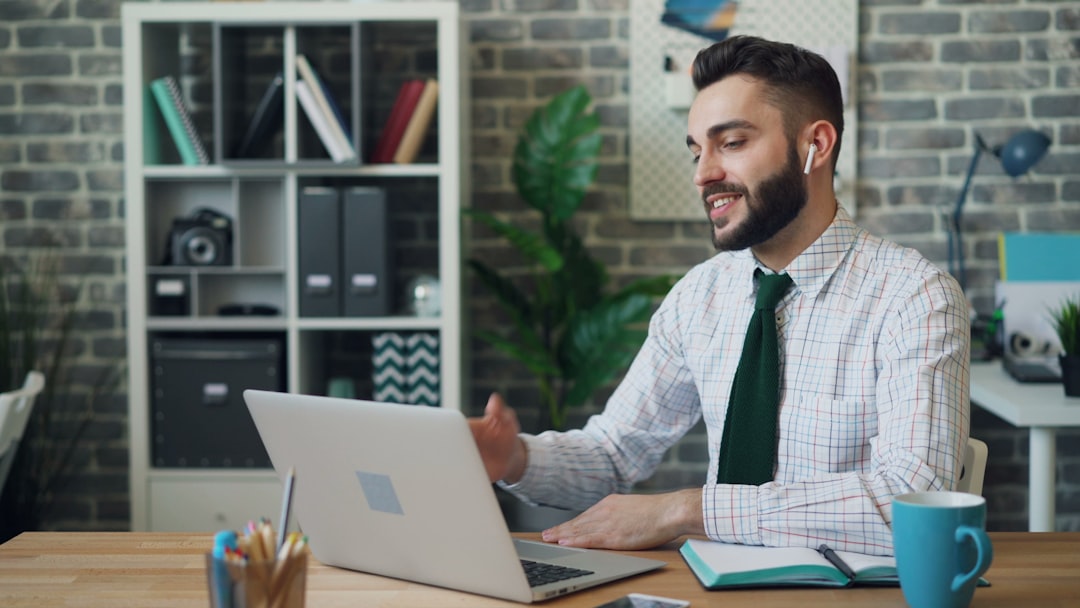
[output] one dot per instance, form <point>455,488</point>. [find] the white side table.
<point>1043,408</point>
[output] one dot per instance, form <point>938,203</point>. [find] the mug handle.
<point>985,552</point>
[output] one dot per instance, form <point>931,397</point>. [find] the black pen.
<point>835,560</point>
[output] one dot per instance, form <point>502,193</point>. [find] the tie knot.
<point>771,289</point>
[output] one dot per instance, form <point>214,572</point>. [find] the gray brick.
<point>7,94</point>
<point>1015,191</point>
<point>980,51</point>
<point>931,138</point>
<point>97,9</point>
<point>12,209</point>
<point>114,95</point>
<point>60,93</point>
<point>500,88</point>
<point>10,152</point>
<point>534,6</point>
<point>899,166</point>
<point>871,52</point>
<point>105,180</point>
<point>887,111</point>
<point>65,152</point>
<point>1010,79</point>
<point>1055,49</point>
<point>102,122</point>
<point>1070,191</point>
<point>1069,134</point>
<point>541,58</point>
<point>23,10</point>
<point>609,57</point>
<point>36,123</point>
<point>1056,106</point>
<point>995,22</point>
<point>21,180</point>
<point>111,36</point>
<point>22,66</point>
<point>105,236</point>
<point>936,22</point>
<point>1052,219</point>
<point>75,36</point>
<point>496,30</point>
<point>1067,19</point>
<point>978,108</point>
<point>37,237</point>
<point>90,265</point>
<point>932,196</point>
<point>894,223</point>
<point>570,29</point>
<point>100,65</point>
<point>1058,163</point>
<point>600,86</point>
<point>931,79</point>
<point>1068,77</point>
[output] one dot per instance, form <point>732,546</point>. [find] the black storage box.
<point>199,418</point>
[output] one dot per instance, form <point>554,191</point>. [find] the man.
<point>873,341</point>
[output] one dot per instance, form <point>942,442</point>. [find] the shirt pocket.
<point>818,434</point>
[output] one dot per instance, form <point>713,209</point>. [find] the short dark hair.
<point>798,82</point>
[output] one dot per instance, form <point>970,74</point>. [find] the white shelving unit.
<point>223,55</point>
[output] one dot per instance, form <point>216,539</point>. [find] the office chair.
<point>15,408</point>
<point>974,467</point>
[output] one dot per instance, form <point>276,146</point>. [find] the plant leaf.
<point>533,247</point>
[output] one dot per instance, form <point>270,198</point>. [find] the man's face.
<point>748,173</point>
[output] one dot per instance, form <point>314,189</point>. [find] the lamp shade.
<point>1022,151</point>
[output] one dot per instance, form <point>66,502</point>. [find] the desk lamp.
<point>1017,157</point>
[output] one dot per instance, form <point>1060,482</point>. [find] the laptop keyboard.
<point>541,574</point>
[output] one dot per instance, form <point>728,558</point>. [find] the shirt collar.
<point>817,263</point>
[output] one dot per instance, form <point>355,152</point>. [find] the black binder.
<point>366,281</point>
<point>319,233</point>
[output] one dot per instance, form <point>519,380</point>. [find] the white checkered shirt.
<point>874,397</point>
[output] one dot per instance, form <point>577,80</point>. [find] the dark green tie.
<point>748,448</point>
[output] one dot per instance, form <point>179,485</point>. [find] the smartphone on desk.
<point>641,600</point>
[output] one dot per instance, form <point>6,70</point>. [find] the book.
<point>265,120</point>
<point>727,566</point>
<point>319,91</point>
<point>417,126</point>
<point>400,113</point>
<point>1038,256</point>
<point>166,93</point>
<point>322,126</point>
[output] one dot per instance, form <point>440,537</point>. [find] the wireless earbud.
<point>809,159</point>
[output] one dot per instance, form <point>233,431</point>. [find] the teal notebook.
<point>167,94</point>
<point>728,566</point>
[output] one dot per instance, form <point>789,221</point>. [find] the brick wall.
<point>931,75</point>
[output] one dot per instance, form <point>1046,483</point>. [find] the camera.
<point>202,239</point>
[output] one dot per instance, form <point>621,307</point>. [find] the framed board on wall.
<point>664,41</point>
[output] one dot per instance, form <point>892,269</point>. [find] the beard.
<point>774,204</point>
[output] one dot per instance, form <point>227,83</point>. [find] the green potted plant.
<point>1066,320</point>
<point>570,327</point>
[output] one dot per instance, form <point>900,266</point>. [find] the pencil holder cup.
<point>262,584</point>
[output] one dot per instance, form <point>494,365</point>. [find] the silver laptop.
<point>400,491</point>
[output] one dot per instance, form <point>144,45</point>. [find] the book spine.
<point>415,130</point>
<point>311,108</point>
<point>265,120</point>
<point>318,91</point>
<point>167,94</point>
<point>400,112</point>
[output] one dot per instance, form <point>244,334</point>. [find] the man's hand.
<point>632,521</point>
<point>496,435</point>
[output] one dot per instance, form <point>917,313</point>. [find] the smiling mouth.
<point>721,201</point>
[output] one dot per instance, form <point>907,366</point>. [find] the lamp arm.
<point>958,210</point>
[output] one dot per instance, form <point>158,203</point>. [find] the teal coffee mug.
<point>941,547</point>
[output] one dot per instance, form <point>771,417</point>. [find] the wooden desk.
<point>1040,407</point>
<point>147,569</point>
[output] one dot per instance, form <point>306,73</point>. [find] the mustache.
<point>723,188</point>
